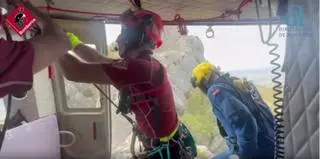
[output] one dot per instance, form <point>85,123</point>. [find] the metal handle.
<point>71,134</point>
<point>210,32</point>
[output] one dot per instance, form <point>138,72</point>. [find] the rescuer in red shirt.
<point>19,60</point>
<point>142,81</point>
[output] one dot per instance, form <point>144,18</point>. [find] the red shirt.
<point>16,61</point>
<point>143,75</point>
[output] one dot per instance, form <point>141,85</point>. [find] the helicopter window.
<point>82,95</point>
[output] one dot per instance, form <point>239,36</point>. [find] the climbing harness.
<point>278,103</point>
<point>121,109</point>
<point>163,143</point>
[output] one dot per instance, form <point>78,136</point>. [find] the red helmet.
<point>142,27</point>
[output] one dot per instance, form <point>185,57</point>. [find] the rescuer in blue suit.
<point>244,120</point>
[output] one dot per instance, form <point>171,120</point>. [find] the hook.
<point>210,32</point>
<point>181,24</point>
<point>71,134</point>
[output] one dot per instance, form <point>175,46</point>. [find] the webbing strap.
<point>5,28</point>
<point>159,150</point>
<point>5,125</point>
<point>167,138</point>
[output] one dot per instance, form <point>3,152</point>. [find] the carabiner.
<point>210,32</point>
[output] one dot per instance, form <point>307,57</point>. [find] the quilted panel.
<point>292,51</point>
<point>312,115</point>
<point>293,80</point>
<point>289,149</point>
<point>305,58</point>
<point>287,124</point>
<point>310,83</point>
<point>305,152</point>
<point>296,106</point>
<point>299,138</point>
<point>314,143</point>
<point>301,96</point>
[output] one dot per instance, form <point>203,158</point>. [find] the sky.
<point>232,48</point>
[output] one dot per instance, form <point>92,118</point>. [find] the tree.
<point>199,118</point>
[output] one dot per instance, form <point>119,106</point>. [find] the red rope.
<point>182,26</point>
<point>134,3</point>
<point>75,11</point>
<point>243,4</point>
<point>51,71</point>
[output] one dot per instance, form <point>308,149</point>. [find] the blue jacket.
<point>249,127</point>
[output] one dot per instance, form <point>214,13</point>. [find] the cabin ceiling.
<point>188,9</point>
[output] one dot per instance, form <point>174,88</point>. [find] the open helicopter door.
<point>82,111</point>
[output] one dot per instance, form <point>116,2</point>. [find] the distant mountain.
<point>260,76</point>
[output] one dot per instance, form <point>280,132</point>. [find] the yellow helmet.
<point>202,71</point>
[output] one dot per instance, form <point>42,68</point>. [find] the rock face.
<point>179,62</point>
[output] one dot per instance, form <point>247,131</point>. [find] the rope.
<point>223,16</point>
<point>181,24</point>
<point>6,121</point>
<point>134,128</point>
<point>51,70</point>
<point>136,3</point>
<point>76,11</point>
<point>114,104</point>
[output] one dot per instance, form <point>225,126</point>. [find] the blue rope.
<point>159,149</point>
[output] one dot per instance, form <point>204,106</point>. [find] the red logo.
<point>216,92</point>
<point>20,19</point>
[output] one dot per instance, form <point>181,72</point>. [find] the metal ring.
<point>210,32</point>
<point>71,134</point>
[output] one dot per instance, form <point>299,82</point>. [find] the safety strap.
<point>167,138</point>
<point>6,121</point>
<point>222,132</point>
<point>159,150</point>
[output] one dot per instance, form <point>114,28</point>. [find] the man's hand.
<point>74,40</point>
<point>86,53</point>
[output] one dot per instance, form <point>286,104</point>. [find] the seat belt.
<point>221,129</point>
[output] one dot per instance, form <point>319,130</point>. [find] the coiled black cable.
<point>278,103</point>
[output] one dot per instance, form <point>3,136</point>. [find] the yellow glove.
<point>74,40</point>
